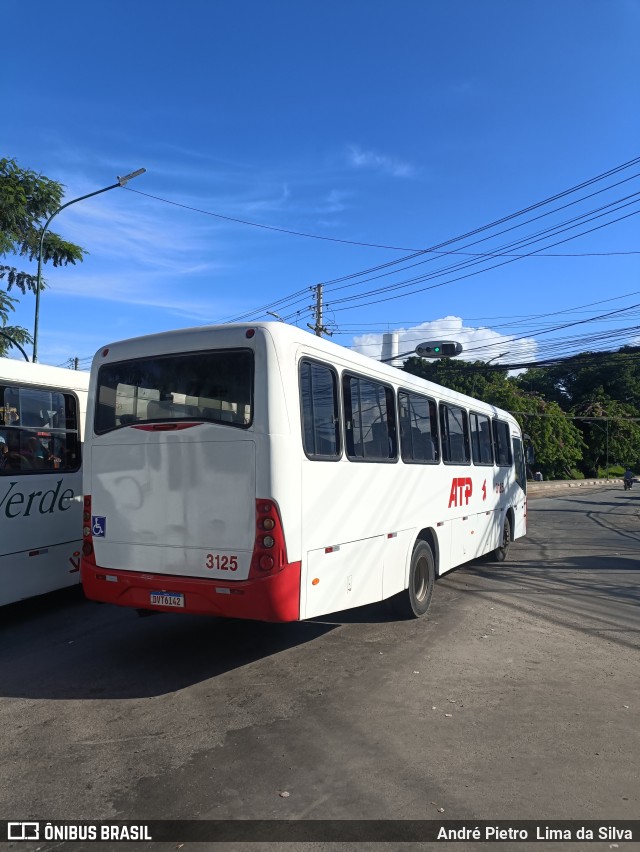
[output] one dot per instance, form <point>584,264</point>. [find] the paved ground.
<point>517,699</point>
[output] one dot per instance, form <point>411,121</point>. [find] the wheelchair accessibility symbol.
<point>98,526</point>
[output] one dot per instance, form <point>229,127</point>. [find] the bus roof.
<point>195,338</point>
<point>42,375</point>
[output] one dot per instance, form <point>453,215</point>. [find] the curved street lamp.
<point>15,343</point>
<point>121,182</point>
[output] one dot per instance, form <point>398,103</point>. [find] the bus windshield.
<point>213,385</point>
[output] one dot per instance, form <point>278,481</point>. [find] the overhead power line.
<point>458,278</point>
<point>294,302</point>
<point>297,302</point>
<point>308,235</point>
<point>269,227</point>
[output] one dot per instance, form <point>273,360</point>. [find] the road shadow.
<point>595,595</point>
<point>69,648</point>
<point>538,565</point>
<point>376,613</point>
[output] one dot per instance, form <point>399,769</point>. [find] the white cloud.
<point>373,161</point>
<point>268,204</point>
<point>133,232</point>
<point>482,344</point>
<point>334,202</point>
<point>143,289</point>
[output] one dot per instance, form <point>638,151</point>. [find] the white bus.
<point>42,411</point>
<point>257,471</point>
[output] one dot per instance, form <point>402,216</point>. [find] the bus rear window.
<point>215,386</point>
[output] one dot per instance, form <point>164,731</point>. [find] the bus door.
<point>521,488</point>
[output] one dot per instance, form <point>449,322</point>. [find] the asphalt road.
<point>517,698</point>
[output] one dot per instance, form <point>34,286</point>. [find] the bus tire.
<point>501,552</point>
<point>414,601</point>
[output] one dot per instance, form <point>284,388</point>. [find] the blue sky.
<point>400,124</point>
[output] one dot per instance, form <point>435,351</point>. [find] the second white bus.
<point>42,412</point>
<point>257,471</point>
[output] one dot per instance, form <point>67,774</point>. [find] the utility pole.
<point>318,328</point>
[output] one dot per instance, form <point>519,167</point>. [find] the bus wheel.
<point>414,601</point>
<point>500,553</point>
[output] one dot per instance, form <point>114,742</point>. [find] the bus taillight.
<point>87,537</point>
<point>269,550</point>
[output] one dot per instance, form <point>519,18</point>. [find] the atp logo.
<point>461,491</point>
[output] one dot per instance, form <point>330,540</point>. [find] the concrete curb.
<point>546,489</point>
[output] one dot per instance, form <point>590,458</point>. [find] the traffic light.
<point>439,349</point>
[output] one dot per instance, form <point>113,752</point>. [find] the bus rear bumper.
<point>275,597</point>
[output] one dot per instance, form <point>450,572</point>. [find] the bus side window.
<point>521,470</point>
<point>370,424</point>
<point>319,411</point>
<point>40,430</point>
<point>418,428</point>
<point>481,442</point>
<point>455,434</point>
<point>502,443</point>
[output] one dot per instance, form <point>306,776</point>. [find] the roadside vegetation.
<point>27,199</point>
<point>579,413</point>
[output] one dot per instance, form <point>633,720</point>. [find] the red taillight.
<point>86,519</point>
<point>87,537</point>
<point>269,551</point>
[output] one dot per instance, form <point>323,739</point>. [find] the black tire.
<point>501,552</point>
<point>414,601</point>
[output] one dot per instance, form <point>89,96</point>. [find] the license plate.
<point>166,599</point>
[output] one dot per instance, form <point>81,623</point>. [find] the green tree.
<point>582,380</point>
<point>473,378</point>
<point>27,199</point>
<point>610,436</point>
<point>555,438</point>
<point>10,332</point>
<point>596,385</point>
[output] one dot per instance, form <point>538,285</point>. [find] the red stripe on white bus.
<point>275,597</point>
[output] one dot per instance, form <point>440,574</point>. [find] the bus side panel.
<point>486,530</point>
<point>30,573</point>
<point>398,548</point>
<point>520,512</point>
<point>40,525</point>
<point>348,575</point>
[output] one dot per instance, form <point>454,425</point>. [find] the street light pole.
<point>121,182</point>
<point>15,343</point>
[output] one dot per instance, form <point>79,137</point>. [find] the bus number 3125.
<point>222,563</point>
